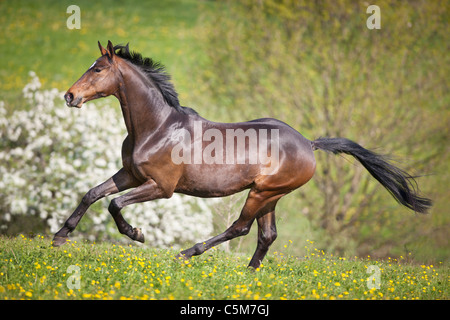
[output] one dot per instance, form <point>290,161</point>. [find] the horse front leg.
<point>145,192</point>
<point>122,180</point>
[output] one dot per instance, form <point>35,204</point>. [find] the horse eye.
<point>97,70</point>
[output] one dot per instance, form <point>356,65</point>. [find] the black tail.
<point>399,183</point>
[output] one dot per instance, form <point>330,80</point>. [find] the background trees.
<point>315,65</point>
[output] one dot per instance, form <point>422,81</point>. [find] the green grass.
<point>35,37</point>
<point>30,268</point>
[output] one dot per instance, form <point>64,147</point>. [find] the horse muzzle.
<point>71,101</point>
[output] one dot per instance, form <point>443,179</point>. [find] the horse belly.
<point>216,180</point>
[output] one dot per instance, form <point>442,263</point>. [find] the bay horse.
<point>157,125</point>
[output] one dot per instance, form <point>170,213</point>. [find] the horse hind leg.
<point>256,201</point>
<point>239,228</point>
<point>267,233</point>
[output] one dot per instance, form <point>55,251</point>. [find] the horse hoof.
<point>181,258</point>
<point>138,235</point>
<point>59,241</point>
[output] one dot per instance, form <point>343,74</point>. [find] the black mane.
<point>156,72</point>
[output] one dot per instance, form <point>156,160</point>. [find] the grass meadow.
<point>30,268</point>
<point>35,37</point>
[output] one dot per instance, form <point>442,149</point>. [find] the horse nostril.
<point>68,97</point>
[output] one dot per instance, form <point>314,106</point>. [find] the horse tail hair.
<point>401,185</point>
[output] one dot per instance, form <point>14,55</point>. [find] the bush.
<point>50,156</point>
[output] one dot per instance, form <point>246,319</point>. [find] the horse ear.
<point>110,48</point>
<point>103,51</point>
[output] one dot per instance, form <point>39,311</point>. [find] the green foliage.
<point>317,66</point>
<point>35,37</point>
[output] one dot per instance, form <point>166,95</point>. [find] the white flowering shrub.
<point>50,156</point>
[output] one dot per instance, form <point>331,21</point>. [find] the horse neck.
<point>143,107</point>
